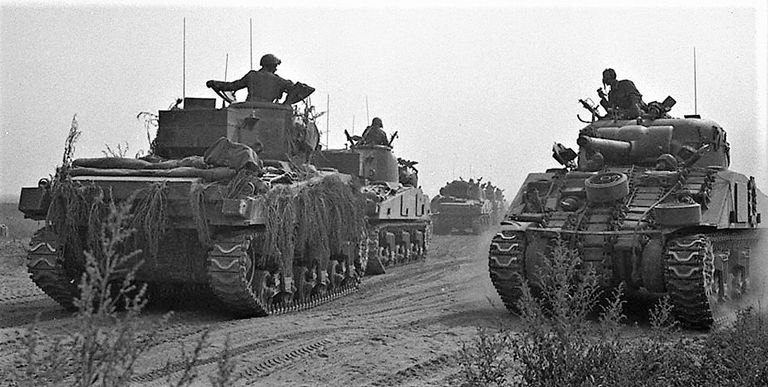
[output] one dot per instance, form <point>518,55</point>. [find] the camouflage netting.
<point>150,217</point>
<point>77,212</point>
<point>319,216</point>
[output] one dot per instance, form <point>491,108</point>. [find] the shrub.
<point>559,345</point>
<point>111,336</point>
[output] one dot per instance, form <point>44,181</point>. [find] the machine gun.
<point>394,135</point>
<point>589,105</point>
<point>353,140</point>
<point>407,163</point>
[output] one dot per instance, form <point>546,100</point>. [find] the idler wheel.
<point>607,187</point>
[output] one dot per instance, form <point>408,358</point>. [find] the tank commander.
<point>374,134</point>
<point>263,85</point>
<point>623,98</point>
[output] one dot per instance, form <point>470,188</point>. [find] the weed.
<point>559,345</point>
<point>104,350</point>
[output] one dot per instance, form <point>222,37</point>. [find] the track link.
<point>506,266</point>
<point>246,294</point>
<point>689,276</point>
<point>45,266</point>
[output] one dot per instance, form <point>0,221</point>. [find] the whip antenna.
<point>250,22</point>
<point>327,121</point>
<point>184,60</point>
<point>226,65</point>
<point>695,94</point>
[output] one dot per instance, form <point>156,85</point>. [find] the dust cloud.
<point>758,276</point>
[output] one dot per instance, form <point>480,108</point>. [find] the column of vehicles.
<point>649,202</point>
<point>467,206</point>
<point>238,202</point>
<point>241,201</point>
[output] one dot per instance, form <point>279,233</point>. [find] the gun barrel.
<point>610,148</point>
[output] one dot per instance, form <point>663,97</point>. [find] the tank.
<point>226,204</point>
<point>648,202</point>
<point>397,210</point>
<point>467,207</point>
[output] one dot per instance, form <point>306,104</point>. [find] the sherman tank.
<point>466,207</point>
<point>227,203</point>
<point>397,210</point>
<point>649,202</point>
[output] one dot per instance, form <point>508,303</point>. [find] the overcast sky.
<point>473,90</point>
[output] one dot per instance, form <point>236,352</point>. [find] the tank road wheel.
<point>692,283</point>
<point>360,260</point>
<point>335,274</point>
<point>303,283</point>
<point>374,265</point>
<point>322,285</point>
<point>505,265</point>
<point>45,265</point>
<point>607,187</point>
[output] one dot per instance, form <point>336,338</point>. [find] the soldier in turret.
<point>623,98</point>
<point>263,85</point>
<point>374,134</point>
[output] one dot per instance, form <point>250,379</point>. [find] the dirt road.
<point>401,328</point>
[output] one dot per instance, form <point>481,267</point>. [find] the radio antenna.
<point>250,22</point>
<point>367,118</point>
<point>226,67</point>
<point>184,60</point>
<point>327,121</point>
<point>695,92</point>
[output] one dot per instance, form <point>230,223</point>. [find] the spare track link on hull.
<point>228,271</point>
<point>45,266</point>
<point>506,266</point>
<point>380,257</point>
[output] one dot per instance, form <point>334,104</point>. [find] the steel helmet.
<point>377,122</point>
<point>269,59</point>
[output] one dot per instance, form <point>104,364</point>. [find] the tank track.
<point>380,257</point>
<point>45,266</point>
<point>690,276</point>
<point>506,266</point>
<point>227,269</point>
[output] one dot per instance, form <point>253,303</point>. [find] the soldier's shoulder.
<point>626,83</point>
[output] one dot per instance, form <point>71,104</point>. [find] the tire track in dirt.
<point>283,357</point>
<point>286,354</point>
<point>386,324</point>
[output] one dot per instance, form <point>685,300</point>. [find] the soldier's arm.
<point>285,84</point>
<point>228,86</point>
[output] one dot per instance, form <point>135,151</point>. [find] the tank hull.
<point>264,233</point>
